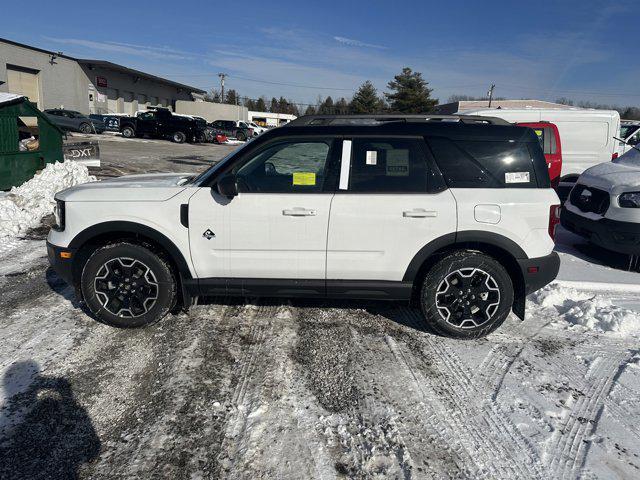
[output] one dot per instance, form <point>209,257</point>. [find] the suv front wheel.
<point>467,294</point>
<point>127,285</point>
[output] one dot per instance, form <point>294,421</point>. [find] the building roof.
<point>121,68</point>
<point>106,64</point>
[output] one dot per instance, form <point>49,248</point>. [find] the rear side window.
<point>547,140</point>
<point>491,164</point>
<point>395,165</point>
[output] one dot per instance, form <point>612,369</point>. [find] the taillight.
<point>614,156</point>
<point>554,220</point>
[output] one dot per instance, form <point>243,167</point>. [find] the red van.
<point>550,142</point>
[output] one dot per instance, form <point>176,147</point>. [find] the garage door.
<point>112,100</point>
<point>128,102</point>
<point>24,81</point>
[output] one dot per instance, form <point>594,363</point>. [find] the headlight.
<point>629,200</point>
<point>58,212</point>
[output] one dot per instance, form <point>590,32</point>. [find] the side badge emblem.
<point>208,234</point>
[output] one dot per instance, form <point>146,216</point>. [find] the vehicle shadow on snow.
<point>44,432</point>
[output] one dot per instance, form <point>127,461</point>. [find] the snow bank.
<point>25,206</point>
<point>593,311</point>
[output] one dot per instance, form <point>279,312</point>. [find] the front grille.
<point>589,199</point>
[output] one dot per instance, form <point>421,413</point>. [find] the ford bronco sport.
<point>455,214</point>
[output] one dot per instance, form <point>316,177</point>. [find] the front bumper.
<point>540,271</point>
<point>62,266</point>
<point>622,237</point>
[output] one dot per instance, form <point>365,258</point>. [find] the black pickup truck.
<point>161,123</point>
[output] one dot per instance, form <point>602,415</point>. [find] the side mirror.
<point>227,186</point>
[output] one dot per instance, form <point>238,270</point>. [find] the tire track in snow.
<point>494,427</point>
<point>568,452</point>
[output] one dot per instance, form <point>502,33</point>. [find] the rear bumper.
<point>622,237</point>
<point>540,271</point>
<point>62,266</point>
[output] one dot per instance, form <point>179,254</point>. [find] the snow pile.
<point>25,206</point>
<point>592,311</point>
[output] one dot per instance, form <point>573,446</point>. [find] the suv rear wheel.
<point>127,285</point>
<point>241,136</point>
<point>466,294</point>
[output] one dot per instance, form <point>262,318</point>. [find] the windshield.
<point>214,168</point>
<point>627,130</point>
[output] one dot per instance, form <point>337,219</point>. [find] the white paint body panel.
<point>372,238</point>
<point>586,135</point>
<point>162,216</point>
<point>524,215</point>
<point>254,239</point>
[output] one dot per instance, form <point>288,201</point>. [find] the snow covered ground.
<point>302,389</point>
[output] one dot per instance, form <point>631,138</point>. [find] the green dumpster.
<point>28,140</point>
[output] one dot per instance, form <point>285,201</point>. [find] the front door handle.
<point>420,213</point>
<point>299,212</point>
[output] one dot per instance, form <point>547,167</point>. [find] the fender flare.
<point>466,236</point>
<point>137,229</point>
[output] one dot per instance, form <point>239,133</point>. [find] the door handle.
<point>298,212</point>
<point>419,213</point>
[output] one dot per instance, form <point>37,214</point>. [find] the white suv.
<point>457,216</point>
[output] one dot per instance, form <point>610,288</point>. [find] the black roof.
<point>452,130</point>
<point>106,64</point>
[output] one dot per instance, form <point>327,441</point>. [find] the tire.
<point>241,136</point>
<point>128,132</point>
<point>466,295</point>
<point>178,137</point>
<point>85,128</point>
<point>111,277</point>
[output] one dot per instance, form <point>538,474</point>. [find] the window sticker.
<point>517,177</point>
<point>304,178</point>
<point>372,157</point>
<point>398,162</point>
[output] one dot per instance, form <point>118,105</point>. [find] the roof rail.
<point>378,119</point>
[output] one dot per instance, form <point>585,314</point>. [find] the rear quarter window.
<point>489,164</point>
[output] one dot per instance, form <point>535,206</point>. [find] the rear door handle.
<point>420,213</point>
<point>299,212</point>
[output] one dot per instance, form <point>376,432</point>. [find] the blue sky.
<point>583,50</point>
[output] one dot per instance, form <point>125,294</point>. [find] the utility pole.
<point>490,93</point>
<point>222,77</point>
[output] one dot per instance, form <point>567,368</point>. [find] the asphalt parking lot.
<point>121,156</point>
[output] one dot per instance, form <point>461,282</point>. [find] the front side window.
<point>389,166</point>
<point>287,167</point>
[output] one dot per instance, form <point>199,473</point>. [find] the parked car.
<point>629,135</point>
<point>604,205</point>
<point>257,129</point>
<point>422,210</point>
<point>231,129</point>
<point>75,121</point>
<point>111,122</point>
<point>161,123</point>
<point>549,138</point>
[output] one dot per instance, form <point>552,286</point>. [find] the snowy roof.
<point>9,97</point>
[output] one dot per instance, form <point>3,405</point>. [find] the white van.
<point>586,134</point>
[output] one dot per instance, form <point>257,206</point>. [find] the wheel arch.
<point>503,249</point>
<point>85,242</point>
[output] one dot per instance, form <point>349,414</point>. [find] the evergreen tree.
<point>250,103</point>
<point>341,107</point>
<point>261,105</point>
<point>232,97</point>
<point>366,100</point>
<point>311,110</point>
<point>410,93</point>
<point>274,107</point>
<point>326,107</point>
